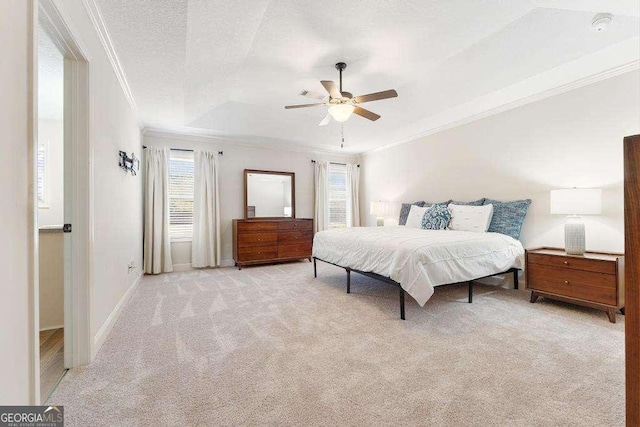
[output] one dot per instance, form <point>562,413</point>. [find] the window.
<point>337,196</point>
<point>41,171</point>
<point>180,195</point>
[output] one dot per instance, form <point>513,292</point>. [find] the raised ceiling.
<point>227,68</point>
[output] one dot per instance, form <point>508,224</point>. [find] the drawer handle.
<point>566,282</point>
<point>566,262</point>
<point>258,240</point>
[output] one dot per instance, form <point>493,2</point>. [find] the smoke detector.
<point>601,21</point>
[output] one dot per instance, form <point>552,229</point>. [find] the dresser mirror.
<point>269,194</point>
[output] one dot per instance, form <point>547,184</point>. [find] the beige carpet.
<point>273,346</point>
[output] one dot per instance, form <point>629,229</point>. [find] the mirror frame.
<point>246,193</point>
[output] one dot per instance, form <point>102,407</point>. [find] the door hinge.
<point>66,228</point>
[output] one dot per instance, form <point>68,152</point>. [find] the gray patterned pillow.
<point>437,217</point>
<point>404,211</point>
<point>478,202</point>
<point>508,216</point>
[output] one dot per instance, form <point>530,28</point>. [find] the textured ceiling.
<point>50,78</point>
<point>228,68</point>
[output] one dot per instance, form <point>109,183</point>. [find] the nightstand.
<point>594,279</point>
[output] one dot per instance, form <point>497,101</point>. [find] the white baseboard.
<point>48,328</point>
<point>105,329</point>
<point>187,267</point>
<point>182,267</point>
<point>227,263</point>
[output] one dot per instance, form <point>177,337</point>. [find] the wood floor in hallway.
<point>51,360</point>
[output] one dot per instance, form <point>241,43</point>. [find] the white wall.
<point>51,132</point>
<point>51,272</point>
<point>15,208</point>
<point>235,160</point>
<point>117,200</point>
<point>570,140</point>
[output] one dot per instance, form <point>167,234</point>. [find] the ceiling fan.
<point>342,104</point>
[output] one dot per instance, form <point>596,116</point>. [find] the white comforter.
<point>419,259</point>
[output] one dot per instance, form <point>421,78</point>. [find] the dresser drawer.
<point>294,237</point>
<point>293,251</point>
<point>248,226</point>
<point>296,224</point>
<point>584,285</point>
<point>257,239</point>
<point>257,253</point>
<point>585,264</point>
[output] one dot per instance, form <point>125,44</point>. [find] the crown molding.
<point>103,34</point>
<point>604,75</point>
<point>242,141</point>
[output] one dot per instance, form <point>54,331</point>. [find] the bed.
<point>417,260</point>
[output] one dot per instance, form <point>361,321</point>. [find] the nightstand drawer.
<point>584,285</point>
<point>598,266</point>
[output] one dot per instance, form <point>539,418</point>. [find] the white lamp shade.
<point>341,112</point>
<point>382,209</point>
<point>576,201</point>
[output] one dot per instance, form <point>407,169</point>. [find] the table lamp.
<point>575,202</point>
<point>381,209</point>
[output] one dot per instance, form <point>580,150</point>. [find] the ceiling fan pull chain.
<point>342,134</point>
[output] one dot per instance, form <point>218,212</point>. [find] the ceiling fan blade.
<point>331,88</point>
<point>311,94</point>
<point>376,96</point>
<point>303,105</point>
<point>366,114</point>
<point>326,120</point>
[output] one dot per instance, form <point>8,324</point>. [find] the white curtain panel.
<point>353,195</point>
<point>321,182</point>
<point>157,244</point>
<point>205,245</point>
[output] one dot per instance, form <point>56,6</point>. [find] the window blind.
<point>337,196</point>
<point>180,194</point>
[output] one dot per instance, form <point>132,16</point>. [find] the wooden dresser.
<point>265,241</point>
<point>594,279</point>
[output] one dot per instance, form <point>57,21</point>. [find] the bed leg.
<point>402,304</point>
<point>470,292</point>
<point>348,280</point>
<point>515,279</point>
<point>315,271</point>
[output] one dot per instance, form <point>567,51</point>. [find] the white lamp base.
<point>574,239</point>
<point>380,221</point>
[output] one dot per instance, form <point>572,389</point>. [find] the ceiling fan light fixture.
<point>341,112</point>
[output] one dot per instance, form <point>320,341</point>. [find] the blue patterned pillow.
<point>437,217</point>
<point>404,211</point>
<point>508,216</point>
<point>478,202</point>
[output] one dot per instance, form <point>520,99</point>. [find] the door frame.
<point>78,189</point>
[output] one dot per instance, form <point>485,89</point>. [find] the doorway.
<point>50,197</point>
<point>61,188</point>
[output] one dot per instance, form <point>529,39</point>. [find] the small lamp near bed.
<point>381,210</point>
<point>575,202</point>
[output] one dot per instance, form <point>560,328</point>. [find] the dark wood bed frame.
<point>394,283</point>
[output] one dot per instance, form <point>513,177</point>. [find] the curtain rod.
<point>184,149</point>
<point>334,163</point>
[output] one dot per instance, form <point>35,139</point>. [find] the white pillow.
<point>470,218</point>
<point>414,219</point>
